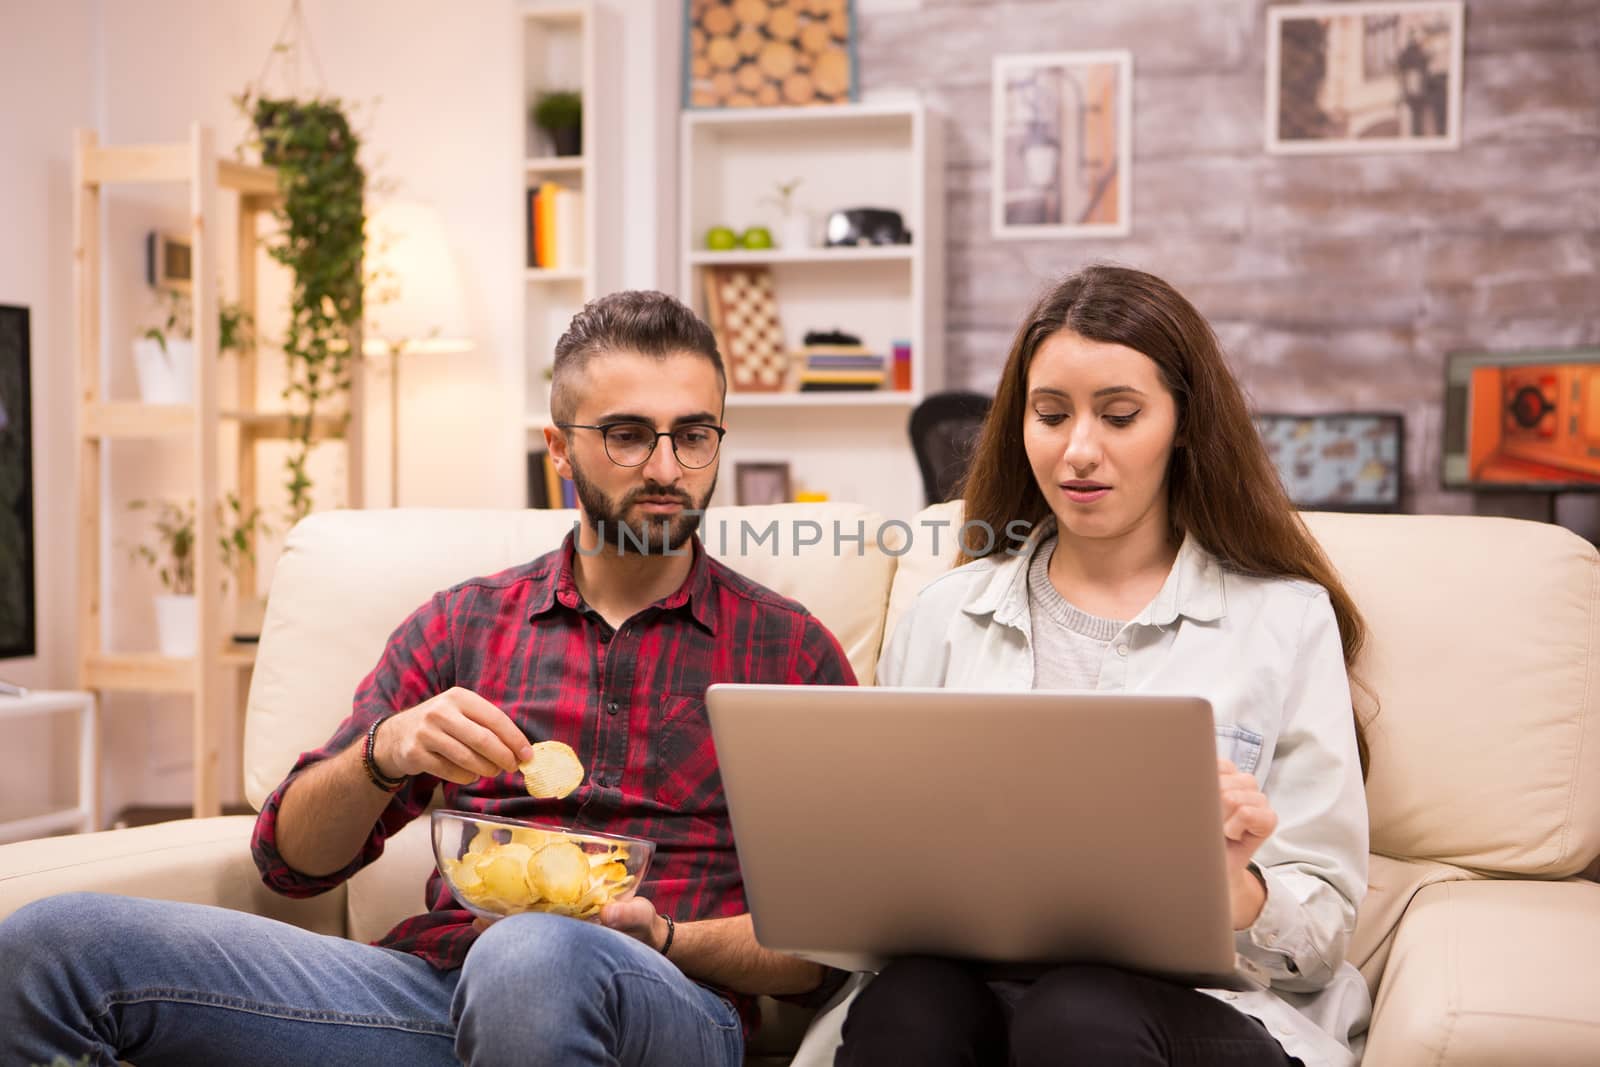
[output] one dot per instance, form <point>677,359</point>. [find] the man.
<point>607,644</point>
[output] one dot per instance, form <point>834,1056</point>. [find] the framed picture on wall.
<point>1364,77</point>
<point>17,624</point>
<point>1063,145</point>
<point>1338,461</point>
<point>761,483</point>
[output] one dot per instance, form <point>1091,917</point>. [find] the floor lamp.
<point>414,301</point>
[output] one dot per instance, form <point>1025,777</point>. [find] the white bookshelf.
<point>558,52</point>
<point>850,445</point>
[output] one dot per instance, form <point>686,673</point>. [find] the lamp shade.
<point>413,295</point>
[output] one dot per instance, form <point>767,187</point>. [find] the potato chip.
<point>533,838</point>
<point>511,869</point>
<point>559,872</point>
<point>553,771</point>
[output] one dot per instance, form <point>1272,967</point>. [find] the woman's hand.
<point>1247,820</point>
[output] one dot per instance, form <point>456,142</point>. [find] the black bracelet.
<point>672,928</point>
<point>376,776</point>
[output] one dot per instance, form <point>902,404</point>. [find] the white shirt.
<point>1266,653</point>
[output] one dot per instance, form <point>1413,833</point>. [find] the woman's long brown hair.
<point>1222,488</point>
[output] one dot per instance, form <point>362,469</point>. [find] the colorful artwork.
<point>1528,420</point>
<point>1349,461</point>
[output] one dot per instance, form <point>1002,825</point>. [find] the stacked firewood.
<point>768,53</point>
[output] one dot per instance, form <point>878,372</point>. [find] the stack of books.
<point>555,227</point>
<point>546,488</point>
<point>830,367</point>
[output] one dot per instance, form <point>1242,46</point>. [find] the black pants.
<point>923,1011</point>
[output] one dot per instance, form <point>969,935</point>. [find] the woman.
<point>1163,556</point>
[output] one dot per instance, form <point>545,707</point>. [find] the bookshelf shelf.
<point>541,274</point>
<point>869,254</point>
<point>559,42</point>
<point>883,154</point>
<point>555,165</point>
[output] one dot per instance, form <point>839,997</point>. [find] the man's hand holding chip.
<point>457,736</point>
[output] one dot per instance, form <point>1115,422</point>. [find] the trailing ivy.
<point>321,228</point>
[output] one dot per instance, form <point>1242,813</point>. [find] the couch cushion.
<point>346,579</point>
<point>1391,886</point>
<point>1492,973</point>
<point>1482,653</point>
<point>1486,744</point>
<point>391,888</point>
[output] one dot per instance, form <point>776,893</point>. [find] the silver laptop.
<point>1020,828</point>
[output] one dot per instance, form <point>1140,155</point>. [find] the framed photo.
<point>768,53</point>
<point>168,262</point>
<point>1364,77</point>
<point>17,621</point>
<point>1063,145</point>
<point>1339,461</point>
<point>761,483</point>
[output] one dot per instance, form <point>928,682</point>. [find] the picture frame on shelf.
<point>1364,77</point>
<point>168,262</point>
<point>1338,460</point>
<point>18,621</point>
<point>1062,153</point>
<point>761,483</point>
<point>757,53</point>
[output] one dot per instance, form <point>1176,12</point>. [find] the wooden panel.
<point>131,420</point>
<point>137,163</point>
<point>86,341</point>
<point>247,178</point>
<point>270,425</point>
<point>208,572</point>
<point>139,672</point>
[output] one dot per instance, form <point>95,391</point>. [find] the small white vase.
<point>166,376</point>
<point>795,232</point>
<point>177,625</point>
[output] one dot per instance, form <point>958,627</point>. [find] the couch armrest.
<point>1492,972</point>
<point>201,861</point>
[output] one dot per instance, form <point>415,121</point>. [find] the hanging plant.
<point>321,229</point>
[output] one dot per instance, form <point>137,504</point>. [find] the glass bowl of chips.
<point>498,867</point>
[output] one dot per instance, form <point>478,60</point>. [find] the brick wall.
<point>1335,281</point>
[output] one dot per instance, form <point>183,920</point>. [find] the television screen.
<point>1340,461</point>
<point>17,637</point>
<point>1522,420</point>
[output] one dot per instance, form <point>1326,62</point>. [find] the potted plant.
<point>163,355</point>
<point>172,557</point>
<point>560,115</point>
<point>322,221</point>
<point>794,231</point>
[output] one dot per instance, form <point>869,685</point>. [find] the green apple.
<point>720,239</point>
<point>757,237</point>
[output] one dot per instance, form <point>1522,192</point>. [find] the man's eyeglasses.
<point>630,444</point>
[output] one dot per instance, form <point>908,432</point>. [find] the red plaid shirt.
<point>630,701</point>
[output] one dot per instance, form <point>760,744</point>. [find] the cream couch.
<point>1480,944</point>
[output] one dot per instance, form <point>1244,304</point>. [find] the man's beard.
<point>657,536</point>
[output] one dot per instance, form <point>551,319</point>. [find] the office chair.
<point>944,431</point>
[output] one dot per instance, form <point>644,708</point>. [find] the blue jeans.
<point>156,982</point>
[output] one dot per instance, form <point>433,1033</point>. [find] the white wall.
<point>437,99</point>
<point>48,77</point>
